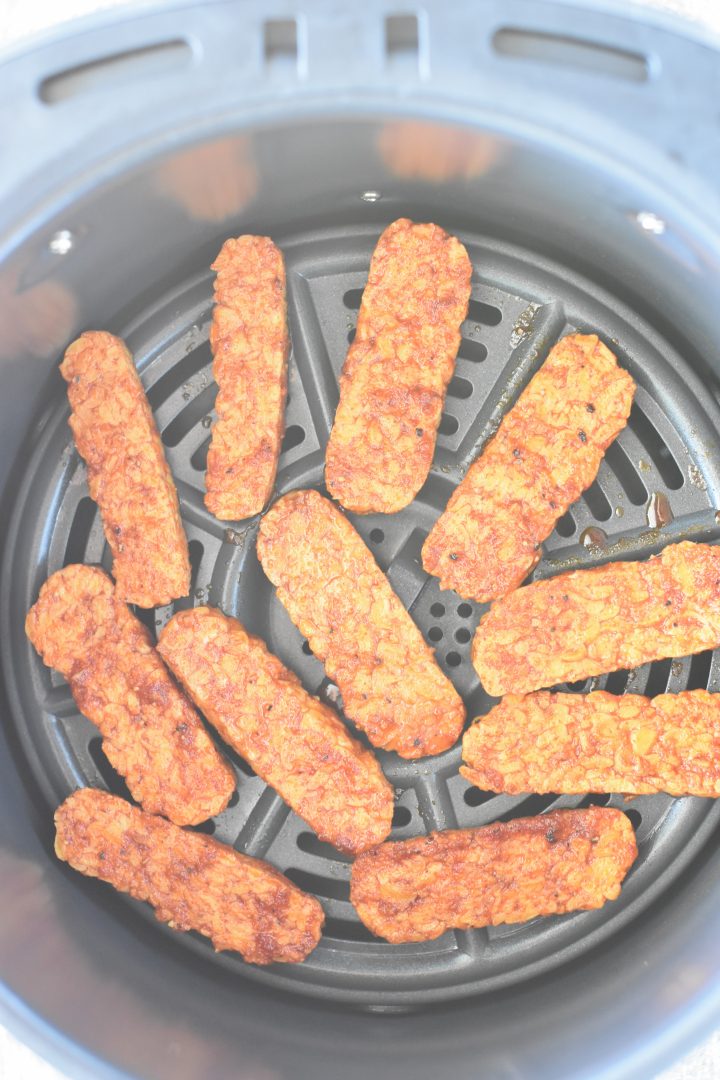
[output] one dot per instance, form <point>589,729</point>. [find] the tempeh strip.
<point>192,881</point>
<point>127,473</point>
<point>250,345</point>
<point>151,733</point>
<point>566,860</point>
<point>294,742</point>
<point>341,601</point>
<point>546,452</point>
<point>577,743</point>
<point>588,622</point>
<point>397,370</point>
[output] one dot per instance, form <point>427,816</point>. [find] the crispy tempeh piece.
<point>546,452</point>
<point>192,881</point>
<point>250,344</point>
<point>573,743</point>
<point>127,473</point>
<point>341,601</point>
<point>588,622</point>
<point>294,742</point>
<point>398,368</point>
<point>566,860</point>
<point>151,733</point>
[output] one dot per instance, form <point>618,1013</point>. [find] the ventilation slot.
<point>460,388</point>
<point>617,682</point>
<point>448,424</point>
<point>206,827</point>
<point>294,436</point>
<point>196,552</point>
<point>658,452</point>
<point>113,72</point>
<point>243,766</point>
<point>484,313</point>
<point>332,888</point>
<point>536,804</point>
<point>699,676</point>
<point>352,299</point>
<point>471,350</point>
<point>475,797</point>
<point>557,50</point>
<point>178,375</point>
<point>311,845</point>
<point>659,676</point>
<point>344,930</point>
<point>594,800</point>
<point>113,781</point>
<point>597,503</point>
<point>80,531</point>
<point>624,470</point>
<point>190,416</point>
<point>577,687</point>
<point>565,526</point>
<point>199,458</point>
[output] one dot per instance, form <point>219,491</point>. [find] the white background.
<point>19,18</point>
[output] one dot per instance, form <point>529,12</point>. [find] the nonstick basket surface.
<point>659,483</point>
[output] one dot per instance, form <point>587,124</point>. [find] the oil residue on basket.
<point>593,539</point>
<point>234,536</point>
<point>658,511</point>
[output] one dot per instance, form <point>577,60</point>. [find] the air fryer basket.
<point>574,153</point>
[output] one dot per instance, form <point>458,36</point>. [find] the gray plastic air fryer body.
<point>574,150</point>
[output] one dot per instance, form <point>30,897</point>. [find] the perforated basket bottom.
<point>520,305</point>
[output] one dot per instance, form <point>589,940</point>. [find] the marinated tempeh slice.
<point>293,741</point>
<point>127,473</point>
<point>566,860</point>
<point>151,733</point>
<point>341,601</point>
<point>250,345</point>
<point>588,622</point>
<point>576,743</point>
<point>546,452</point>
<point>397,370</point>
<point>192,881</point>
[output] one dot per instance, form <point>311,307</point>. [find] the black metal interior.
<point>521,304</point>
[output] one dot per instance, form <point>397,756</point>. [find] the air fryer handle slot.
<point>575,53</point>
<point>118,71</point>
<point>604,80</point>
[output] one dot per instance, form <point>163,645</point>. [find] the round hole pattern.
<point>453,659</point>
<point>377,536</point>
<point>464,611</point>
<point>463,635</point>
<point>435,633</point>
<point>437,610</point>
